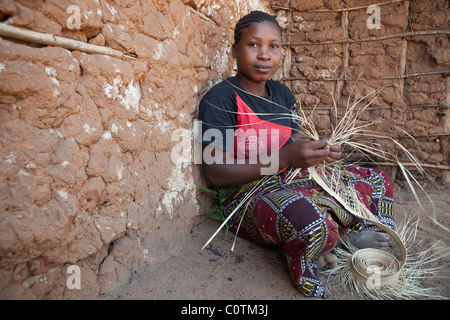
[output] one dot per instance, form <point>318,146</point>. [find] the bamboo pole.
<point>52,40</point>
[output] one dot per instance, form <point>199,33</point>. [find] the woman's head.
<point>252,17</point>
<point>257,47</point>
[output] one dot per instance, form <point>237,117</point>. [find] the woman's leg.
<point>305,231</point>
<point>377,193</point>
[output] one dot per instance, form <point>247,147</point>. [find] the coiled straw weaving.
<point>365,262</point>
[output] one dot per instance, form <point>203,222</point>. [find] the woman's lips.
<point>263,68</point>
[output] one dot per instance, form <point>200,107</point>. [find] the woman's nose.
<point>263,53</point>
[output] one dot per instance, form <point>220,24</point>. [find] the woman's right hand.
<point>305,153</point>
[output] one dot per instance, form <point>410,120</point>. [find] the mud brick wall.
<point>333,50</point>
<point>86,140</point>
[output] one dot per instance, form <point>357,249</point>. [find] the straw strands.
<point>396,278</point>
<point>362,260</point>
<point>419,266</point>
<point>347,130</point>
<point>358,268</point>
<point>244,200</point>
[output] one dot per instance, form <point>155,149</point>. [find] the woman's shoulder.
<point>281,90</point>
<point>221,90</point>
<point>278,86</point>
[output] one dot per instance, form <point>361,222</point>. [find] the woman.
<point>251,140</point>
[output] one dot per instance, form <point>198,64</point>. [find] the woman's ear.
<point>233,50</point>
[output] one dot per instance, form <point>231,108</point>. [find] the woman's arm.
<point>229,173</point>
<point>298,154</point>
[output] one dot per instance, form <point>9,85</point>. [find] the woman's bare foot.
<point>327,260</point>
<point>369,239</point>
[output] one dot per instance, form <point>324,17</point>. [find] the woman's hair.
<point>252,17</point>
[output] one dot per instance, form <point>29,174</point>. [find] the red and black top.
<point>235,120</point>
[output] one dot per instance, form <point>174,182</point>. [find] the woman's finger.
<point>318,144</point>
<point>335,155</point>
<point>335,148</point>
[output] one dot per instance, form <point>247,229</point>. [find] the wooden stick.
<point>356,8</point>
<point>386,37</point>
<point>417,74</point>
<point>424,106</point>
<point>52,40</point>
<point>275,7</point>
<point>201,15</point>
<point>446,128</point>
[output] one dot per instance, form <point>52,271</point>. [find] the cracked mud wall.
<point>86,140</point>
<point>333,49</point>
<point>87,173</point>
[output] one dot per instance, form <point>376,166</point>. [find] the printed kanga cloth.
<point>305,220</point>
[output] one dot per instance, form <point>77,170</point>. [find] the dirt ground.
<point>252,272</point>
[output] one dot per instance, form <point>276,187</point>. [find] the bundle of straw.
<point>395,279</point>
<point>362,260</point>
<point>419,266</point>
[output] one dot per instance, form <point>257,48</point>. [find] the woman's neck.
<point>257,88</point>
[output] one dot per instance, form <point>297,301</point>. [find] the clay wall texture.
<point>332,49</point>
<point>87,176</point>
<point>86,140</point>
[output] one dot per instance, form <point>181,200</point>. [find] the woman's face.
<point>258,52</point>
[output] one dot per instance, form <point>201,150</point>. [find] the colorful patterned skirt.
<point>305,220</point>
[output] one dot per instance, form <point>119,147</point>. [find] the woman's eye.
<point>253,44</point>
<point>274,46</point>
